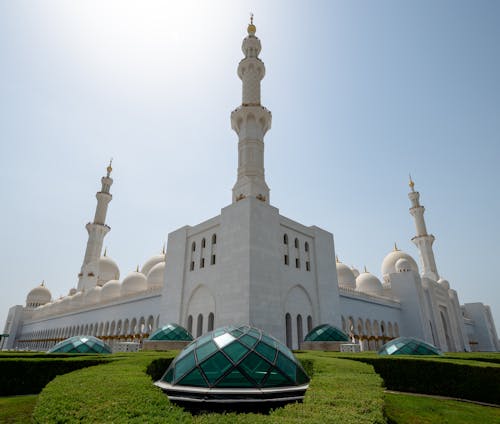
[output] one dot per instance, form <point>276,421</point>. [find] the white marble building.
<point>251,265</point>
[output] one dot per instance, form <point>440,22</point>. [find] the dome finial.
<point>163,248</point>
<point>105,251</point>
<point>109,168</point>
<point>365,270</point>
<point>137,269</point>
<point>395,247</point>
<point>251,27</point>
<point>411,184</point>
<point>337,259</point>
<point>42,284</point>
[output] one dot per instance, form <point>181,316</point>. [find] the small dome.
<point>111,290</point>
<point>408,346</point>
<point>108,270</point>
<point>444,283</point>
<point>235,364</point>
<point>403,265</point>
<point>171,332</point>
<point>151,262</point>
<point>40,295</point>
<point>81,344</point>
<point>345,275</point>
<point>389,262</point>
<point>93,295</point>
<point>326,333</point>
<point>355,271</point>
<point>368,283</point>
<point>72,292</point>
<point>135,282</point>
<point>156,275</point>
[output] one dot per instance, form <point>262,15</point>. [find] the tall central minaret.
<point>422,240</point>
<point>87,278</point>
<point>251,121</point>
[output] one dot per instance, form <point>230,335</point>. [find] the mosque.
<point>251,265</point>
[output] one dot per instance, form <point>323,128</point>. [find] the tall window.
<point>286,259</point>
<point>199,326</point>
<point>212,261</point>
<point>306,247</point>
<point>296,243</point>
<point>190,324</point>
<point>193,247</point>
<point>285,239</point>
<point>210,321</point>
<point>203,242</point>
<point>214,239</point>
<point>288,329</point>
<point>300,333</point>
<point>310,323</point>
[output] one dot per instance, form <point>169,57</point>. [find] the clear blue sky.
<point>362,93</point>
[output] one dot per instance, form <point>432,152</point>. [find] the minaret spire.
<point>97,231</point>
<point>422,240</point>
<point>251,121</point>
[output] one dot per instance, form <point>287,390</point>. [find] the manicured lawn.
<point>17,409</point>
<point>408,409</point>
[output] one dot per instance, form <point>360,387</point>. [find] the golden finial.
<point>365,270</point>
<point>411,184</point>
<point>137,269</point>
<point>395,247</point>
<point>163,249</point>
<point>42,284</point>
<point>109,168</point>
<point>337,259</point>
<point>251,27</point>
<point>105,251</point>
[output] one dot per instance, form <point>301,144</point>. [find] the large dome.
<point>368,283</point>
<point>151,262</point>
<point>389,262</point>
<point>93,295</point>
<point>345,275</point>
<point>408,346</point>
<point>81,344</point>
<point>235,364</point>
<point>108,270</point>
<point>111,290</point>
<point>135,282</point>
<point>40,295</point>
<point>172,332</point>
<point>326,333</point>
<point>156,275</point>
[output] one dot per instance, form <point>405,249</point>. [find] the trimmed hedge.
<point>437,376</point>
<point>341,391</point>
<point>21,376</point>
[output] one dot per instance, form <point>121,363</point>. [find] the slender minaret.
<point>251,121</point>
<point>97,230</point>
<point>422,240</point>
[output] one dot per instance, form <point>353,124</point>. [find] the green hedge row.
<point>20,376</point>
<point>341,391</point>
<point>460,378</point>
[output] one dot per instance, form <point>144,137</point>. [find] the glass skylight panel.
<point>224,340</point>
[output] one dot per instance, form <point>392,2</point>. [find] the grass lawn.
<point>17,409</point>
<point>408,409</point>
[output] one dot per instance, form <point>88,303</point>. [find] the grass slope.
<point>17,409</point>
<point>408,409</point>
<point>121,392</point>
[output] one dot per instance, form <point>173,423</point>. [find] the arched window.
<point>190,324</point>
<point>309,323</point>
<point>210,322</point>
<point>285,239</point>
<point>296,242</point>
<point>203,242</point>
<point>288,329</point>
<point>300,333</point>
<point>306,246</point>
<point>193,247</point>
<point>214,238</point>
<point>199,326</point>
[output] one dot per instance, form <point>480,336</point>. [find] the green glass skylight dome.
<point>326,333</point>
<point>81,344</point>
<point>235,364</point>
<point>172,332</point>
<point>408,346</point>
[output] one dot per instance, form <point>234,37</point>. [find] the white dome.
<point>108,270</point>
<point>40,295</point>
<point>133,283</point>
<point>368,283</point>
<point>355,272</point>
<point>345,276</point>
<point>403,265</point>
<point>444,283</point>
<point>151,262</point>
<point>111,290</point>
<point>72,292</point>
<point>156,275</point>
<point>93,295</point>
<point>389,263</point>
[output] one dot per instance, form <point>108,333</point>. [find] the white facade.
<point>251,265</point>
